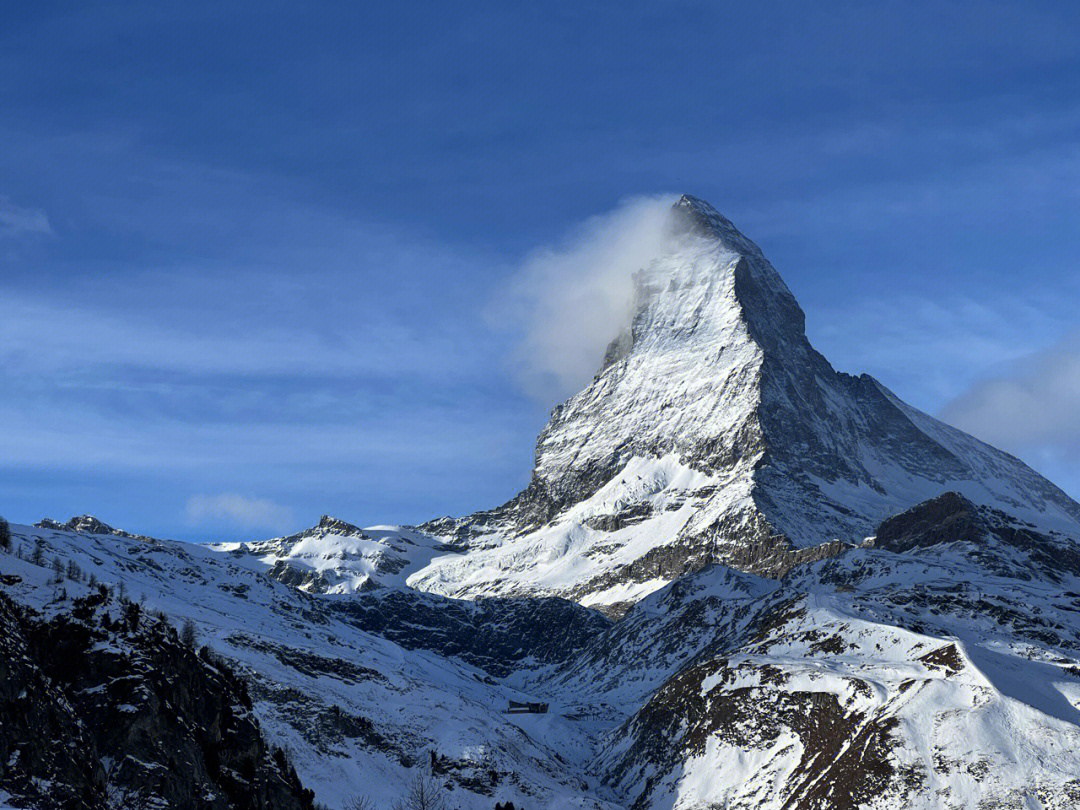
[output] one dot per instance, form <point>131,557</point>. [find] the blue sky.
<point>254,260</point>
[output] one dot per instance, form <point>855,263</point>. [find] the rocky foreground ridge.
<point>102,706</point>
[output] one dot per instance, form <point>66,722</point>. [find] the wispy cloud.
<point>1030,408</point>
<point>169,338</point>
<point>316,358</point>
<point>238,511</point>
<point>569,300</point>
<point>16,220</point>
<point>930,350</point>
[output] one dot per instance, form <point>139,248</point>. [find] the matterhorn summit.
<point>715,433</point>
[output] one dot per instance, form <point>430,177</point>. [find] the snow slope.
<point>358,713</point>
<point>903,692</point>
<point>938,668</point>
<point>336,557</point>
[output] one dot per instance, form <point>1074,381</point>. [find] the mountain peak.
<point>87,524</point>
<point>714,432</point>
<point>336,525</point>
<point>732,278</point>
<point>697,217</point>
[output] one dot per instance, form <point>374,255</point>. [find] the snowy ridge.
<point>649,501</point>
<point>336,557</point>
<point>358,712</point>
<point>831,704</point>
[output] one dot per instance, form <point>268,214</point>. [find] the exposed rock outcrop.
<point>497,635</point>
<point>86,524</point>
<point>103,707</point>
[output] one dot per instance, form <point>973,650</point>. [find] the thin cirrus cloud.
<point>83,335</point>
<point>238,511</point>
<point>16,220</point>
<point>966,338</point>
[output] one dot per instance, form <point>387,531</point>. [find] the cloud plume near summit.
<point>569,300</point>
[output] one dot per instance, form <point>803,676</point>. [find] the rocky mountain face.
<point>496,635</point>
<point>715,433</point>
<point>103,707</point>
<point>737,579</point>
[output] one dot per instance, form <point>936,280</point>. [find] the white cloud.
<point>1033,408</point>
<point>81,335</point>
<point>568,301</point>
<point>15,220</point>
<point>239,511</point>
<point>929,351</point>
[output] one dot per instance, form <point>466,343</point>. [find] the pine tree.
<point>132,614</point>
<point>58,570</point>
<point>188,636</point>
<point>5,535</point>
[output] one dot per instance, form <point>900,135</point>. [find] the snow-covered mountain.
<point>937,667</point>
<point>336,557</point>
<point>359,691</point>
<point>738,578</point>
<point>716,433</point>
